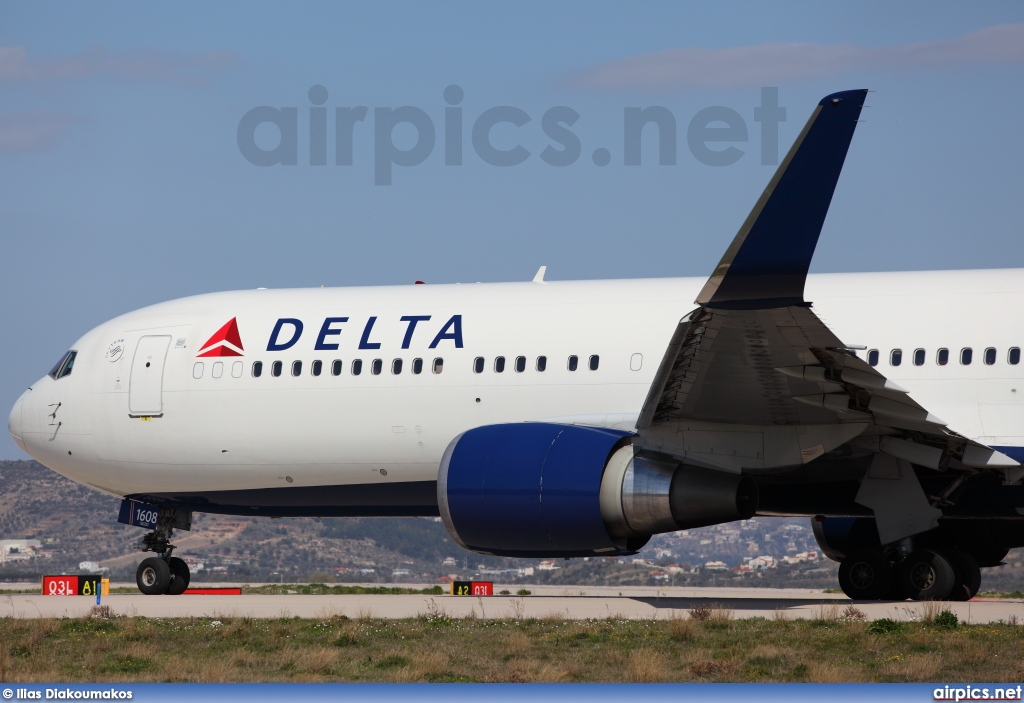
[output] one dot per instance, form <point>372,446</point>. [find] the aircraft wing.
<point>753,380</point>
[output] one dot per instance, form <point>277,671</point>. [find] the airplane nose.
<point>14,422</point>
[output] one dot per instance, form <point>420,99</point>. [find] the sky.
<point>153,152</point>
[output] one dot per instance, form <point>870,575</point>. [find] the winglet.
<point>766,264</point>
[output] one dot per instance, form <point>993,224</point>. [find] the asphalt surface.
<point>546,602</point>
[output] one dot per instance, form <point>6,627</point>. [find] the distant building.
<point>715,566</point>
<point>448,561</point>
<point>19,549</point>
<point>801,557</point>
<point>548,565</point>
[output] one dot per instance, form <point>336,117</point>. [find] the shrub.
<point>886,626</point>
<point>946,620</point>
<point>523,592</point>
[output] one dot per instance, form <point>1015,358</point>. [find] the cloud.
<point>771,64</point>
<point>139,65</point>
<point>25,132</point>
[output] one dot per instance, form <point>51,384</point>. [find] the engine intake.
<point>549,490</point>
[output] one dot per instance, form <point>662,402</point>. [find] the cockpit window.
<point>64,366</point>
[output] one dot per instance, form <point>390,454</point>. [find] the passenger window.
<point>257,369</point>
<point>873,357</point>
<point>574,361</point>
<point>542,363</point>
<point>236,369</point>
<point>478,365</point>
<point>636,362</point>
<point>336,367</point>
<point>376,366</point>
<point>919,357</point>
<point>499,364</point>
<point>356,367</point>
<point>417,366</point>
<point>396,366</point>
<point>218,369</point>
<point>438,365</point>
<point>296,368</point>
<point>966,354</point>
<point>594,361</point>
<point>520,364</point>
<point>275,370</point>
<point>197,370</point>
<point>316,368</point>
<point>1013,357</point>
<point>942,357</point>
<point>990,356</point>
<point>896,357</point>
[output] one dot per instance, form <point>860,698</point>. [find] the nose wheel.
<point>157,576</point>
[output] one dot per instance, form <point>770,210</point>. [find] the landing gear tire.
<point>966,575</point>
<point>865,575</point>
<point>153,576</point>
<point>925,575</point>
<point>180,576</point>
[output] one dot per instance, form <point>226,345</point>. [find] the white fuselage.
<point>217,427</point>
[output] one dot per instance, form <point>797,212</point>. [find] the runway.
<point>546,602</point>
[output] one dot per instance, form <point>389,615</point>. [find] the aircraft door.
<point>145,389</point>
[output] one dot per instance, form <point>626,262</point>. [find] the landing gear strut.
<point>163,573</point>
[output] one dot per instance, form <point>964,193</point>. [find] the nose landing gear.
<point>163,573</point>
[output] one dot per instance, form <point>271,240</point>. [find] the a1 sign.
<point>70,585</point>
<point>472,588</point>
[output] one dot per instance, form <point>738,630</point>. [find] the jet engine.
<point>550,490</point>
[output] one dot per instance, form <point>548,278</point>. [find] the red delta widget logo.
<point>225,342</point>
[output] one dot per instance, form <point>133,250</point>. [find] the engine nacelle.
<point>549,490</point>
<point>838,536</point>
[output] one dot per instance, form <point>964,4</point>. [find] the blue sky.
<point>122,182</point>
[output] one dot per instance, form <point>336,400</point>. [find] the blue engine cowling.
<point>530,490</point>
<point>838,536</point>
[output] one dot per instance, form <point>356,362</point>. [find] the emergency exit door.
<point>146,384</point>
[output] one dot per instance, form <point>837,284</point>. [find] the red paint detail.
<point>217,345</point>
<point>213,592</point>
<point>60,585</point>
<point>420,283</point>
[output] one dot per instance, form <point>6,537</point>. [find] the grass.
<point>437,647</point>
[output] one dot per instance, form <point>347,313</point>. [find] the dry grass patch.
<point>681,629</point>
<point>516,644</point>
<point>645,666</point>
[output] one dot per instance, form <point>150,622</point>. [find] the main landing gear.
<point>163,573</point>
<point>919,574</point>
